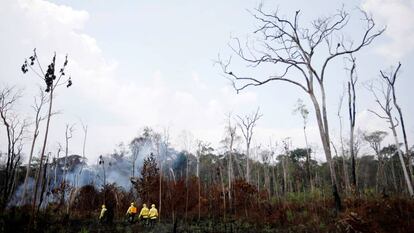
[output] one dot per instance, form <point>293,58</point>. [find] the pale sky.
<point>151,63</point>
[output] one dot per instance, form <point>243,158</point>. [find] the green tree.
<point>147,184</point>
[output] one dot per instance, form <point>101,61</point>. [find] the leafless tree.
<point>246,125</point>
<point>39,102</point>
<point>292,48</point>
<point>353,78</point>
<point>15,132</point>
<point>53,79</point>
<point>383,97</point>
<point>341,138</point>
<point>68,135</point>
<point>85,134</point>
<point>230,140</point>
<point>390,79</point>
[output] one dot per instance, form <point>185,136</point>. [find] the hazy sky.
<point>151,63</point>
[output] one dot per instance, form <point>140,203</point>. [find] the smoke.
<point>17,198</point>
<point>115,168</point>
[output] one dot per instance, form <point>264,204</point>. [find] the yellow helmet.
<point>132,203</point>
<point>103,206</point>
<point>144,205</point>
<point>153,205</point>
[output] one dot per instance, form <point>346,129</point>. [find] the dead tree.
<point>390,79</point>
<point>304,112</point>
<point>53,79</point>
<point>68,135</point>
<point>353,78</point>
<point>291,48</point>
<point>85,133</point>
<point>384,102</point>
<point>229,140</point>
<point>15,132</point>
<point>344,163</point>
<point>246,125</point>
<point>37,107</point>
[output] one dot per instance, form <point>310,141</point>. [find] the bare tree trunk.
<point>38,119</point>
<point>186,187</point>
<point>85,131</point>
<point>28,168</point>
<point>380,186</point>
<point>391,83</point>
<point>324,133</point>
<point>344,163</point>
<point>308,170</point>
<point>198,181</point>
<point>394,179</point>
<point>276,185</point>
<point>352,113</point>
<point>43,151</point>
<point>407,151</point>
<point>406,176</point>
<point>285,175</point>
<point>224,194</point>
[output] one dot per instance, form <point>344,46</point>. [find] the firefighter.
<point>102,216</point>
<point>153,215</point>
<point>131,212</point>
<point>144,214</point>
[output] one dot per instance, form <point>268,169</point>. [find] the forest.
<point>363,184</point>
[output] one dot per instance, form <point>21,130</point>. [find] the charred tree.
<point>353,78</point>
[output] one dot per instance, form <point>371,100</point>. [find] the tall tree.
<point>147,184</point>
<point>39,102</point>
<point>53,79</point>
<point>291,47</point>
<point>390,79</point>
<point>246,125</point>
<point>353,78</point>
<point>229,141</point>
<point>383,98</point>
<point>341,138</point>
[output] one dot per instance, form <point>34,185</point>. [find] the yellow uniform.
<point>153,213</point>
<point>103,211</point>
<point>144,212</point>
